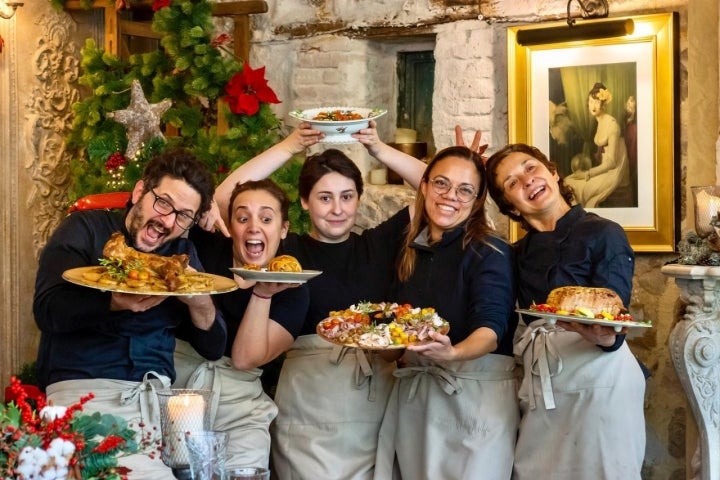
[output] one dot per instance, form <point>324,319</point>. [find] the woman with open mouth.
<point>263,319</point>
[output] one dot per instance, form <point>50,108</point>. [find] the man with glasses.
<point>120,346</point>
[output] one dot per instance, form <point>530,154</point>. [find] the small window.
<point>416,81</point>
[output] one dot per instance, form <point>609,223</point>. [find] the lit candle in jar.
<point>186,414</point>
<point>706,208</point>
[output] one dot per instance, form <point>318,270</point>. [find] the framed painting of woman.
<point>604,111</point>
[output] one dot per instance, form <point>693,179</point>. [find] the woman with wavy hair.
<point>263,319</point>
<point>582,392</point>
<point>453,412</point>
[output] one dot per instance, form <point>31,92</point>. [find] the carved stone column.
<point>695,350</point>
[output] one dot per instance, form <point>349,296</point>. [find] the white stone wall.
<point>470,73</point>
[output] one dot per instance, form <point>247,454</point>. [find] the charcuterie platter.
<point>381,326</point>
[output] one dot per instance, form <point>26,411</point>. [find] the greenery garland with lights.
<point>193,70</point>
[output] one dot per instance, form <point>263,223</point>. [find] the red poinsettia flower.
<point>158,4</point>
<point>246,89</point>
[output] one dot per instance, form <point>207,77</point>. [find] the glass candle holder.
<point>706,201</point>
<point>207,454</point>
<point>182,412</point>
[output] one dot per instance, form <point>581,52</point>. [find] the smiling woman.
<point>567,246</point>
<point>452,260</point>
<point>263,319</point>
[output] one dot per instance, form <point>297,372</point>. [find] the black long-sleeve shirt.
<point>470,287</point>
<point>584,249</point>
<point>81,338</point>
<point>358,269</point>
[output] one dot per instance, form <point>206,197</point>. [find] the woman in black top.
<point>331,400</point>
<point>263,320</point>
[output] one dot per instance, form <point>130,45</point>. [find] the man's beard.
<point>137,223</point>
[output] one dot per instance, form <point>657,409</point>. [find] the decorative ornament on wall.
<point>49,118</point>
<point>142,119</point>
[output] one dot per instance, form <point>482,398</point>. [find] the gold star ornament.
<point>141,119</point>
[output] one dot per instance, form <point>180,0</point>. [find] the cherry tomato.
<point>544,307</point>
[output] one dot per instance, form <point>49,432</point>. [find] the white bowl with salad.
<point>338,123</point>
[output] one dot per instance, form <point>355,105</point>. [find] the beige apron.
<point>582,409</point>
<point>331,401</point>
<point>137,403</point>
<point>240,406</point>
<point>450,420</point>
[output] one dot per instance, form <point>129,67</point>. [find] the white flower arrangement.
<point>50,464</point>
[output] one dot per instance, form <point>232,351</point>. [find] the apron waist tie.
<point>363,367</point>
<point>447,379</point>
<point>545,361</point>
<point>149,404</point>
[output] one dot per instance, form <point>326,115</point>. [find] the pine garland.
<point>190,70</point>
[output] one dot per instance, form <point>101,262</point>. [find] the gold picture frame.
<point>548,90</point>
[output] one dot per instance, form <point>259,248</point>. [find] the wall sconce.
<point>576,32</point>
<point>7,9</point>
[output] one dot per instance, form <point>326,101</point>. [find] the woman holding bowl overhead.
<point>331,400</point>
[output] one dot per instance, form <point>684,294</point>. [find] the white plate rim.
<point>74,275</point>
<point>276,277</point>
<point>553,317</point>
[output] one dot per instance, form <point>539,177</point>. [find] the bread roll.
<point>594,299</point>
<point>284,263</point>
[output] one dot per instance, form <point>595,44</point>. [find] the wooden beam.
<point>228,9</point>
<point>138,29</point>
<point>241,38</point>
<point>110,21</point>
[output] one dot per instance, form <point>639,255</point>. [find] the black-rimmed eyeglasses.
<point>165,208</point>
<point>465,192</point>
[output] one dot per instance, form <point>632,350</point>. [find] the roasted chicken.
<point>168,268</point>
